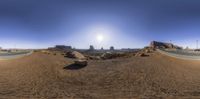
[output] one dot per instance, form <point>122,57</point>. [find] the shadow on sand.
<point>74,67</point>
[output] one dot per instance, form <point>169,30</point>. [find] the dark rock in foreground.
<point>80,62</point>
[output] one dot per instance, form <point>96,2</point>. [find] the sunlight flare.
<point>100,37</point>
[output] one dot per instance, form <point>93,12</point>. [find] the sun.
<point>100,37</point>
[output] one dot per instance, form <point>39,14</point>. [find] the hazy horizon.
<point>78,23</point>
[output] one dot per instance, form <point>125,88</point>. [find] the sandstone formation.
<point>156,44</point>
<point>60,48</point>
<point>91,48</point>
<point>112,48</point>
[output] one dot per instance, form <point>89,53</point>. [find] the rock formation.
<point>80,59</point>
<point>91,48</point>
<point>155,44</point>
<point>112,48</point>
<point>60,48</point>
<point>76,55</point>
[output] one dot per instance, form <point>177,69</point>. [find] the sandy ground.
<point>46,76</point>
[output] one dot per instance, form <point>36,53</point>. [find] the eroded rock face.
<point>76,55</point>
<point>156,44</point>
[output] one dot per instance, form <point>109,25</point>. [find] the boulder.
<point>80,62</point>
<point>75,54</point>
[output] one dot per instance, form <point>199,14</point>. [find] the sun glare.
<point>100,37</point>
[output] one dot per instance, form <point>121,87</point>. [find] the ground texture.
<point>43,75</point>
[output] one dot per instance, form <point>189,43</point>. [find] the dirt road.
<point>46,76</point>
<point>7,56</point>
<point>180,56</point>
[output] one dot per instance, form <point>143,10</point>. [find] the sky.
<point>122,23</point>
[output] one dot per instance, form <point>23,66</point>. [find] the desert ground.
<point>41,76</point>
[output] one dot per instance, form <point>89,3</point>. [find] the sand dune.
<point>45,76</point>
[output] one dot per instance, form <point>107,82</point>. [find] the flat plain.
<point>41,76</point>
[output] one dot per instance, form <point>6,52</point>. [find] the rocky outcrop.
<point>146,51</point>
<point>141,54</point>
<point>156,44</point>
<point>109,55</point>
<point>60,48</point>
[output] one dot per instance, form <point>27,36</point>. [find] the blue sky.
<point>123,23</point>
